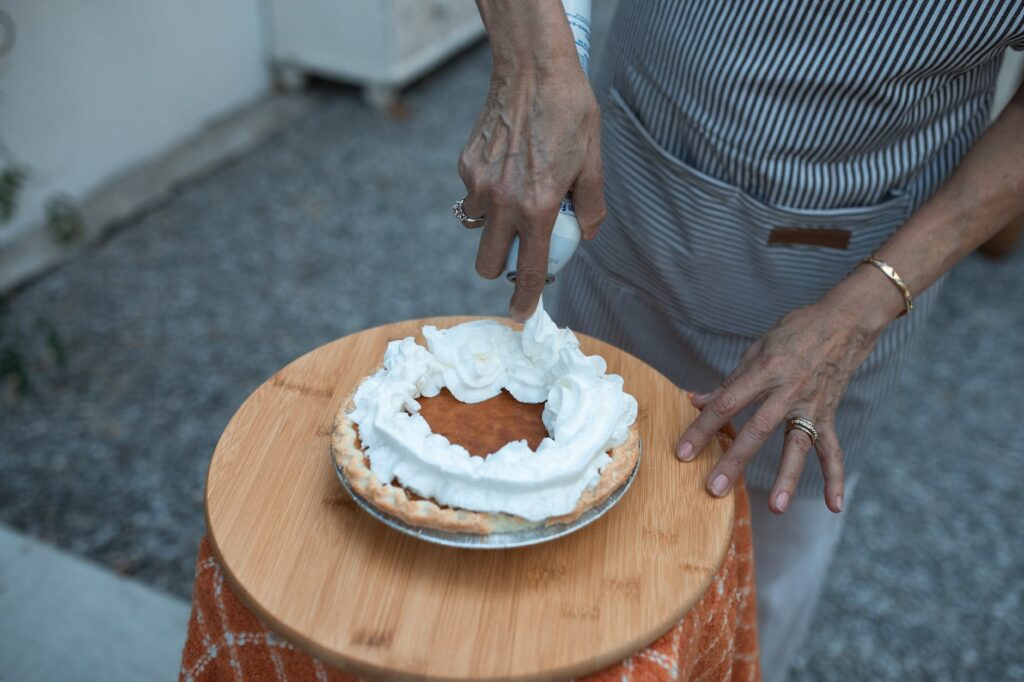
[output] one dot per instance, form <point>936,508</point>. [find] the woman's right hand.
<point>537,138</point>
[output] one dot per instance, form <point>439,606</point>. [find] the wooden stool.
<point>352,592</point>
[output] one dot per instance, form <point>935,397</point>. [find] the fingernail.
<point>782,501</point>
<point>702,396</point>
<point>719,485</point>
<point>839,503</point>
<point>685,452</point>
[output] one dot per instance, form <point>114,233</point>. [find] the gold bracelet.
<point>894,277</point>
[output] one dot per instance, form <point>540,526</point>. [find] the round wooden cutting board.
<point>357,594</point>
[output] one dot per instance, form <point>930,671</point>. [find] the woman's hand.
<point>537,138</point>
<point>798,369</point>
<point>801,368</point>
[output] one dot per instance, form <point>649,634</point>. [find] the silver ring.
<point>511,276</point>
<point>460,215</point>
<point>805,425</point>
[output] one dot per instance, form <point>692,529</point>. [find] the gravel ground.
<point>138,351</point>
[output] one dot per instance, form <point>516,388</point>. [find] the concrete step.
<point>64,618</point>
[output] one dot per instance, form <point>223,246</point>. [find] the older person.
<point>756,153</point>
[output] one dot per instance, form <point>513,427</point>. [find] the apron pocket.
<point>709,253</point>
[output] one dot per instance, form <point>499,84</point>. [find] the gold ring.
<point>805,425</point>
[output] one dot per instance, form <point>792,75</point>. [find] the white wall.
<point>93,88</point>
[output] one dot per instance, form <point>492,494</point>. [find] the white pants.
<point>792,556</point>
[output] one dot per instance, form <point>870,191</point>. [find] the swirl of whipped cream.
<point>472,358</point>
<point>586,412</point>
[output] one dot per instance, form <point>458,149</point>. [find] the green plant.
<point>11,181</point>
<point>13,375</point>
<point>63,219</point>
<point>14,369</point>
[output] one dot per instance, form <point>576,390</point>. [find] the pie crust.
<point>395,500</point>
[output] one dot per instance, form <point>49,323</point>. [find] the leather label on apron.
<point>829,238</point>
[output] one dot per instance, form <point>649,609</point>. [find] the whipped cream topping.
<point>586,413</point>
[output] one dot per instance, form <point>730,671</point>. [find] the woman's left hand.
<point>798,369</point>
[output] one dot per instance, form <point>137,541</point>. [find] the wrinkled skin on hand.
<point>800,368</point>
<point>536,139</point>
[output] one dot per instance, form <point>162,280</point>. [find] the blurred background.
<point>192,194</point>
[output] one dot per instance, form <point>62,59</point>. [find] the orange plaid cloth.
<point>716,640</point>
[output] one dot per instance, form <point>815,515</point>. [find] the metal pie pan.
<point>521,538</point>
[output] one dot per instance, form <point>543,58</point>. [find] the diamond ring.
<point>460,215</point>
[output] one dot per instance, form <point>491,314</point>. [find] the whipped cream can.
<point>565,236</point>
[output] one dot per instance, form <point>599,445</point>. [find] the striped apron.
<point>754,152</point>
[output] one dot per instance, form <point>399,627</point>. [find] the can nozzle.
<point>565,237</point>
